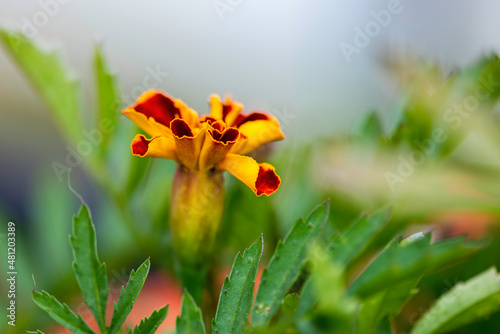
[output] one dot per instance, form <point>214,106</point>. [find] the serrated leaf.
<point>286,264</point>
<point>128,296</point>
<point>107,96</point>
<point>237,292</point>
<point>350,245</point>
<point>61,313</point>
<point>463,304</point>
<point>51,80</point>
<point>89,271</point>
<point>190,321</point>
<point>151,324</point>
<point>398,263</point>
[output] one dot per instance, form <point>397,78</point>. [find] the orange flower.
<point>216,142</point>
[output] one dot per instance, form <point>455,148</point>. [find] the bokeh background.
<point>280,56</point>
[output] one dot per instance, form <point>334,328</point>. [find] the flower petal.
<point>227,111</point>
<point>188,142</point>
<point>156,147</point>
<point>259,129</point>
<point>261,178</point>
<point>154,111</point>
<point>218,143</point>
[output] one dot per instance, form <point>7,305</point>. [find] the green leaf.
<point>286,264</point>
<point>108,97</point>
<point>385,303</point>
<point>190,321</point>
<point>371,127</point>
<point>89,272</point>
<point>400,262</point>
<point>350,244</point>
<point>151,324</point>
<point>37,332</point>
<point>237,292</point>
<point>463,304</point>
<point>61,313</point>
<point>51,80</point>
<point>138,168</point>
<point>324,306</point>
<point>128,296</point>
<point>290,304</point>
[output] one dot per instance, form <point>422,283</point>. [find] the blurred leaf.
<point>128,296</point>
<point>464,303</point>
<point>385,303</point>
<point>89,272</point>
<point>255,215</point>
<point>37,332</point>
<point>190,321</point>
<point>151,324</point>
<point>138,169</point>
<point>286,264</point>
<point>350,244</point>
<point>237,292</point>
<point>297,193</point>
<point>108,98</point>
<point>50,216</point>
<point>326,308</point>
<point>371,127</point>
<point>290,304</point>
<point>400,262</point>
<point>61,313</point>
<point>51,79</point>
<point>483,73</point>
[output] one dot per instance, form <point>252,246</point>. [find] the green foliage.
<point>286,264</point>
<point>349,245</point>
<point>92,279</point>
<point>51,79</point>
<point>388,302</point>
<point>128,296</point>
<point>151,324</point>
<point>89,272</point>
<point>237,292</point>
<point>399,262</point>
<point>371,127</point>
<point>108,98</point>
<point>190,321</point>
<point>61,313</point>
<point>464,303</point>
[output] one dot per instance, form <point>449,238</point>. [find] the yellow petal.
<point>258,132</point>
<point>227,111</point>
<point>188,143</point>
<point>261,178</point>
<point>156,147</point>
<point>215,107</point>
<point>218,143</point>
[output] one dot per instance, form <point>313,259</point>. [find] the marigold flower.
<point>203,148</point>
<point>217,141</point>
